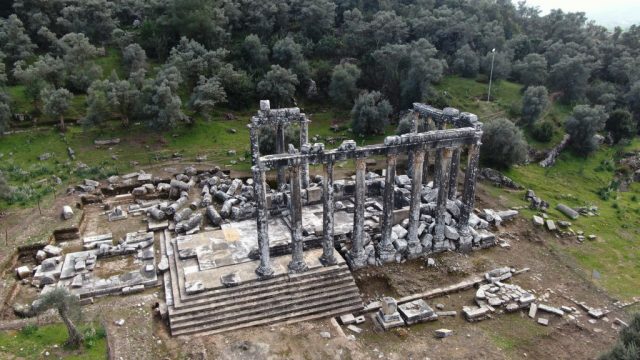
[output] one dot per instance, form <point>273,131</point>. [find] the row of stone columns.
<point>449,161</point>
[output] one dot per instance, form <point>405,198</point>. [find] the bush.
<point>583,125</point>
<point>621,125</point>
<point>534,103</point>
<point>543,132</point>
<point>503,144</point>
<point>370,114</point>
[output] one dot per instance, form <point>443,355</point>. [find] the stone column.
<point>357,256</point>
<point>441,208</point>
<point>297,263</point>
<point>453,174</point>
<point>468,197</point>
<point>414,129</point>
<point>264,270</point>
<point>437,173</point>
<point>255,144</point>
<point>280,146</point>
<point>386,250</point>
<point>413,242</point>
<point>304,139</point>
<point>328,257</point>
<point>425,169</point>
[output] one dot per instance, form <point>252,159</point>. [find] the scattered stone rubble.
<point>498,179</point>
<point>535,202</point>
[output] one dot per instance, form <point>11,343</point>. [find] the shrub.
<point>621,125</point>
<point>583,125</point>
<point>543,132</point>
<point>370,114</point>
<point>503,144</point>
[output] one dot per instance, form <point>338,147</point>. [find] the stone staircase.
<point>317,293</point>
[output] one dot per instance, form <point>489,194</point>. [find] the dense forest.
<point>184,57</point>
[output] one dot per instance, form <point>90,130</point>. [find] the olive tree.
<point>343,86</point>
<point>56,103</point>
<point>206,95</point>
<point>620,125</point>
<point>583,124</point>
<point>534,103</point>
<point>68,307</point>
<point>5,111</point>
<point>466,62</point>
<point>370,114</point>
<point>503,144</point>
<point>134,58</point>
<point>278,85</point>
<point>14,40</point>
<point>532,70</point>
<point>628,345</point>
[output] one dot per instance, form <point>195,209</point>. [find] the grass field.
<point>576,181</point>
<point>34,342</point>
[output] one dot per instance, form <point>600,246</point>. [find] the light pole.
<point>493,57</point>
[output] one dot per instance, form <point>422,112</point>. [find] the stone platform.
<point>210,288</point>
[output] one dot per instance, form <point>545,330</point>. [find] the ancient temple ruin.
<point>425,233</point>
<point>235,252</point>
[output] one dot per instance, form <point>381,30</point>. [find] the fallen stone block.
<point>417,311</point>
<point>533,309</point>
<point>355,329</point>
<point>23,272</point>
<point>475,313</point>
<point>551,225</point>
<point>67,212</point>
<point>543,321</point>
<point>537,220</point>
<point>569,212</point>
<point>443,333</point>
<point>551,309</point>
<point>347,319</point>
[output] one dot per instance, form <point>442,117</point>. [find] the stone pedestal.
<point>417,311</point>
<point>388,316</point>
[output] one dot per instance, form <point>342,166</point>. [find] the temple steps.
<point>244,294</point>
<point>317,293</point>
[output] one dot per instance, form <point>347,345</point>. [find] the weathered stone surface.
<point>67,212</point>
<point>569,212</point>
<point>537,220</point>
<point>551,225</point>
<point>347,319</point>
<point>417,311</point>
<point>475,313</point>
<point>443,333</point>
<point>550,309</point>
<point>23,272</point>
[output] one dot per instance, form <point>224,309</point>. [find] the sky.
<point>607,13</point>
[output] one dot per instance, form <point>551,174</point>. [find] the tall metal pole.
<point>493,57</point>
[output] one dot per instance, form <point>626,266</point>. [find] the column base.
<point>357,261</point>
<point>264,272</point>
<point>328,260</point>
<point>414,250</point>
<point>297,267</point>
<point>438,233</point>
<point>386,253</point>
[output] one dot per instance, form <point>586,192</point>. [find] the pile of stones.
<point>47,259</point>
<point>535,203</point>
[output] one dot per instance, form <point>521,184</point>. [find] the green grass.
<point>575,181</point>
<point>32,343</point>
<point>506,100</point>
